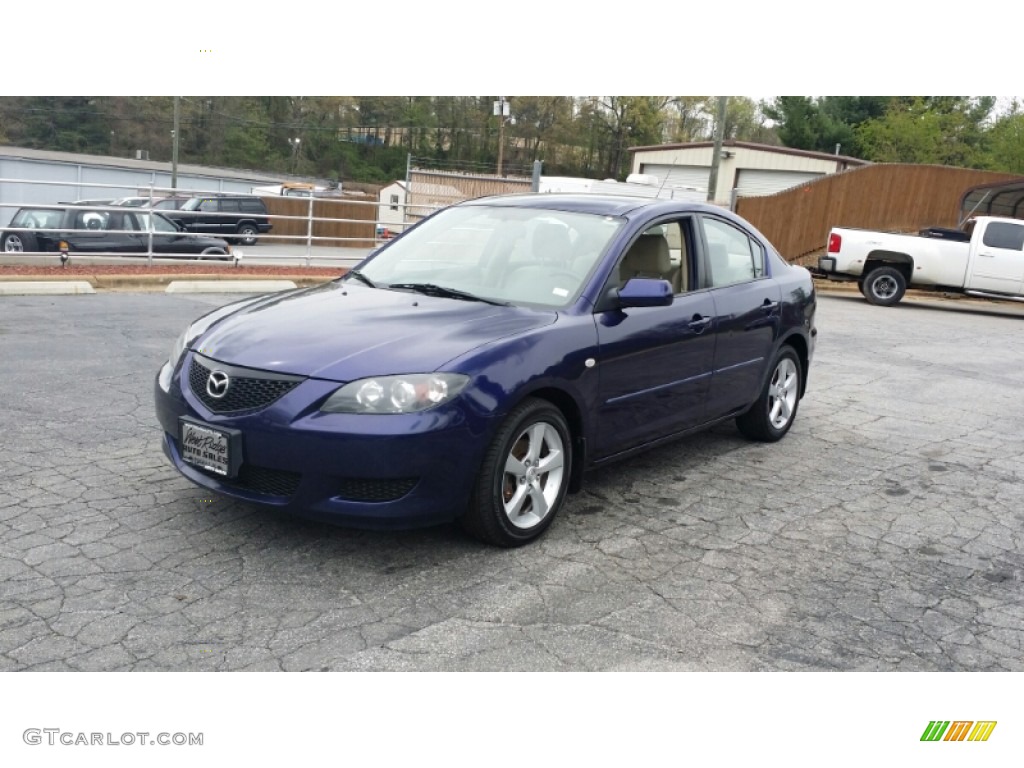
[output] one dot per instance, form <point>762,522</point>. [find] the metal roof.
<point>846,159</point>
<point>104,161</point>
<point>1003,198</point>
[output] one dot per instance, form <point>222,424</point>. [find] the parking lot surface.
<point>883,533</point>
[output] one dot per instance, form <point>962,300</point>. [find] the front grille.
<point>247,390</point>
<point>369,489</point>
<point>269,482</point>
<point>272,482</point>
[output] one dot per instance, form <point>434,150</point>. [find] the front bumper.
<point>366,471</point>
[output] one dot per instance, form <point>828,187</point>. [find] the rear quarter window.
<point>37,218</point>
<point>253,206</point>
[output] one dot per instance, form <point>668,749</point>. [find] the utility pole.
<point>501,109</point>
<point>175,134</point>
<point>717,155</point>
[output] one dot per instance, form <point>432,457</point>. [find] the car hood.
<point>344,331</point>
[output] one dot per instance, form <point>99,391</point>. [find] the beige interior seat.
<point>647,257</point>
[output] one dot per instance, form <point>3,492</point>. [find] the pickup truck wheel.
<point>884,286</point>
<point>772,414</point>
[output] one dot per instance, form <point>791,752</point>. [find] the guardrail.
<point>362,223</point>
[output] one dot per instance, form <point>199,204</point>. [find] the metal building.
<point>100,177</point>
<point>749,169</point>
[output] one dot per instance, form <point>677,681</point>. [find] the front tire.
<point>771,416</point>
<point>884,286</point>
<point>524,477</point>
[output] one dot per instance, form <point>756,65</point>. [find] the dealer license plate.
<point>206,447</point>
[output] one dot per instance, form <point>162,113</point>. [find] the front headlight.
<point>408,393</point>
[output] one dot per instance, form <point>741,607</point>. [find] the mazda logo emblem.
<point>217,384</point>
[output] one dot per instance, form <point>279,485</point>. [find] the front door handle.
<point>699,323</point>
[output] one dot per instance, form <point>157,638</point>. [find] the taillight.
<point>835,242</point>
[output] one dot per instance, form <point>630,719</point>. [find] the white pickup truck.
<point>986,258</point>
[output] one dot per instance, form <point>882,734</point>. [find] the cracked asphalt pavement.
<point>883,533</point>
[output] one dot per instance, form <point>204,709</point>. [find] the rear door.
<point>748,314</point>
<point>93,232</point>
<point>997,258</point>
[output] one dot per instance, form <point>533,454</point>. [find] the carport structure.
<point>1003,198</point>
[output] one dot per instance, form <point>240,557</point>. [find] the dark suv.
<point>107,230</point>
<point>240,218</point>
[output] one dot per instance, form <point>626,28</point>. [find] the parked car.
<point>986,258</point>
<point>85,230</point>
<point>476,366</point>
<point>241,218</point>
<point>158,203</point>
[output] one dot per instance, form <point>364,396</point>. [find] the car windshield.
<point>497,253</point>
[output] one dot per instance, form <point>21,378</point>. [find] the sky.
<point>456,47</point>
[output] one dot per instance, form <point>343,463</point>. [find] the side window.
<point>999,234</point>
<point>733,256</point>
<point>663,251</point>
<point>230,206</point>
<point>253,206</point>
<point>208,205</point>
<point>93,220</point>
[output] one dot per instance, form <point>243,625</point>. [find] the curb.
<point>45,287</point>
<point>229,286</point>
<point>159,282</point>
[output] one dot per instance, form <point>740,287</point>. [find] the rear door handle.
<point>769,307</point>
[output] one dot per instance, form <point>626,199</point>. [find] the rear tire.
<point>247,234</point>
<point>19,242</point>
<point>772,414</point>
<point>524,477</point>
<point>884,286</point>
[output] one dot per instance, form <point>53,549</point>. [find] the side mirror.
<point>645,292</point>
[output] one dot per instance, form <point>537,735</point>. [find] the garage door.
<point>679,175</point>
<point>755,182</point>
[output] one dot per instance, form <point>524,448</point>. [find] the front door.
<point>654,367</point>
<point>997,263</point>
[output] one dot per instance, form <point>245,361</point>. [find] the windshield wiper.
<point>360,276</point>
<point>430,289</point>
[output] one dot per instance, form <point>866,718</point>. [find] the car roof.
<point>607,205</point>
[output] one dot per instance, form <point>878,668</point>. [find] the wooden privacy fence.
<point>887,197</point>
<point>430,190</point>
<point>347,223</point>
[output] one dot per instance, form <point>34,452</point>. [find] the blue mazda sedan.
<point>477,366</point>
